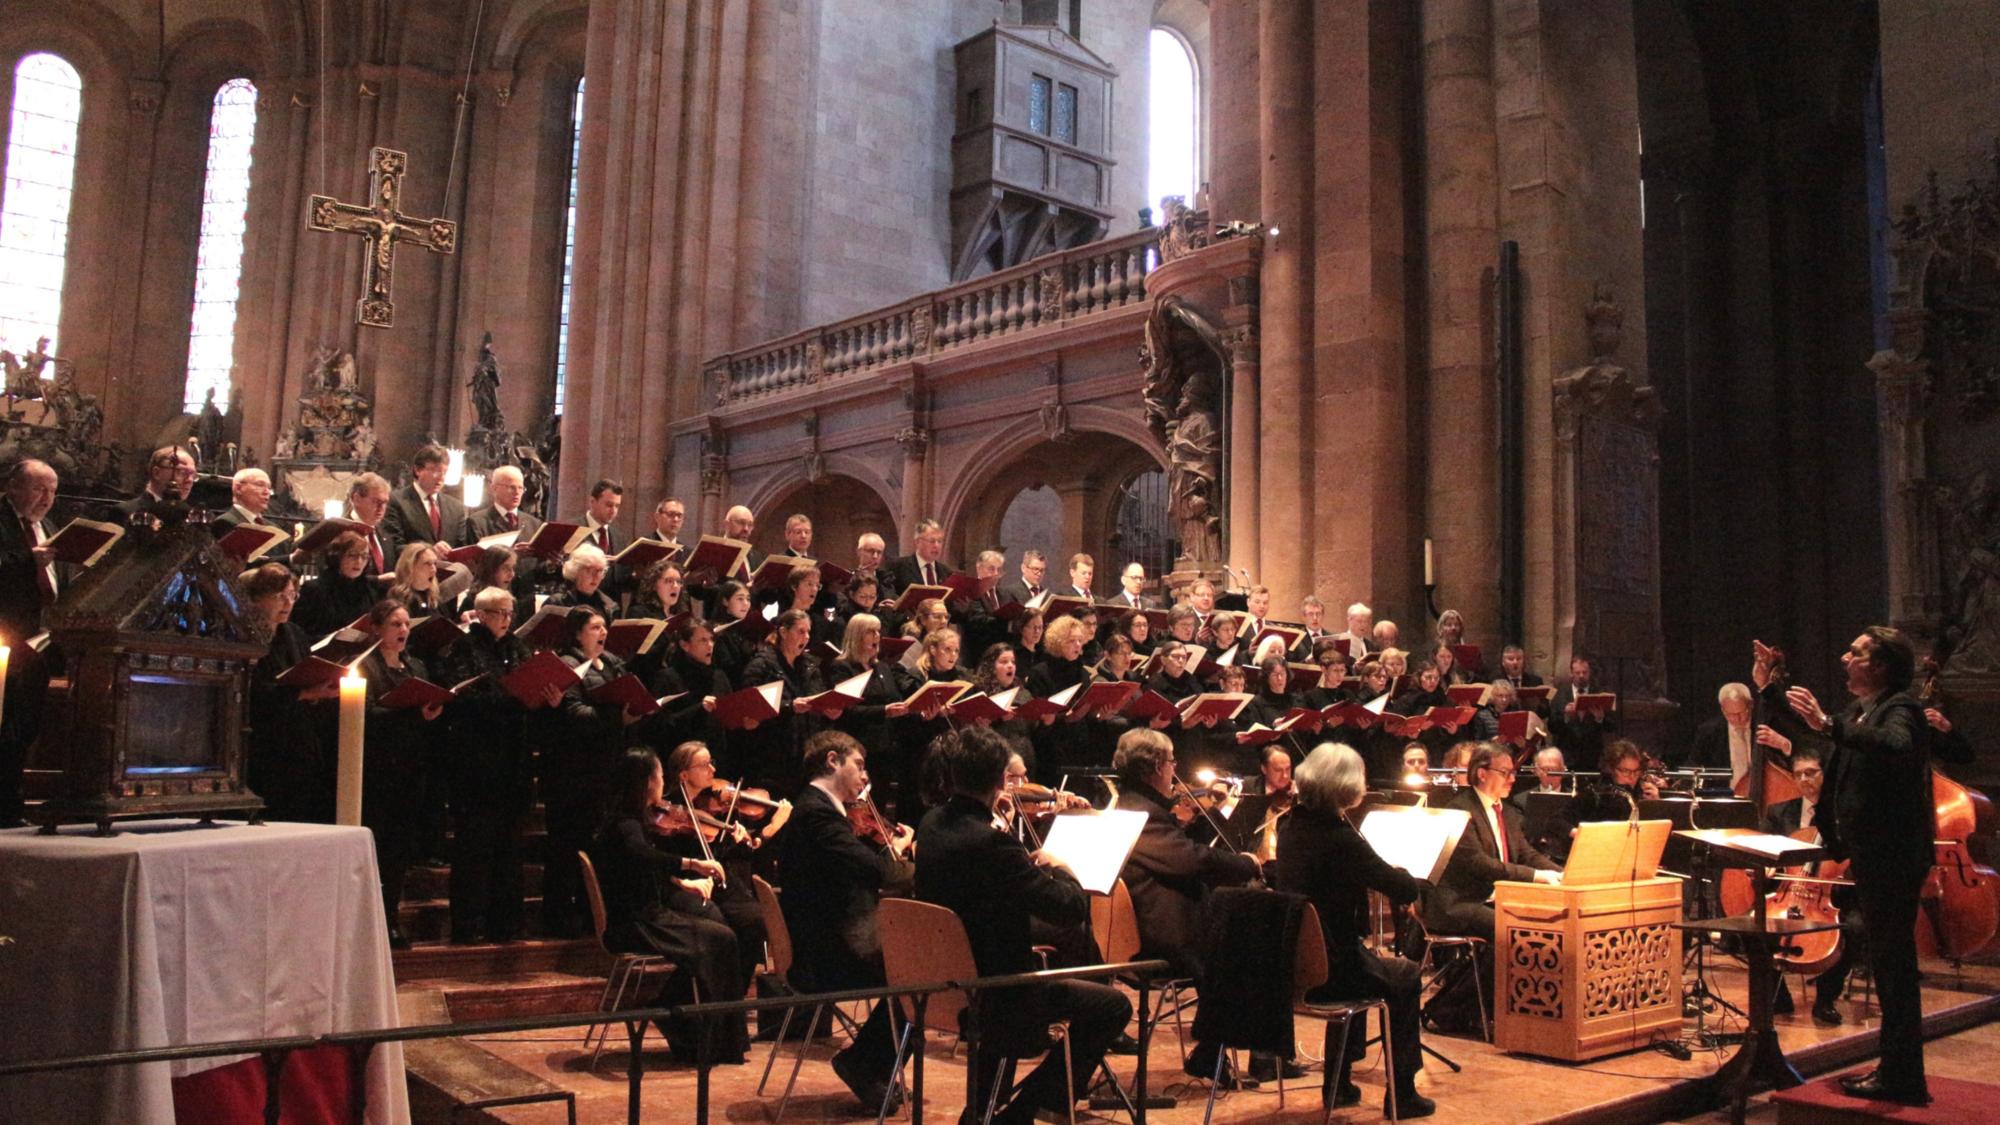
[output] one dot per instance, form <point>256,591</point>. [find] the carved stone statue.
<point>207,429</point>
<point>485,386</point>
<point>335,418</point>
<point>1184,356</point>
<point>24,372</point>
<point>1971,640</point>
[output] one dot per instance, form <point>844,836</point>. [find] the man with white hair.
<point>505,489</point>
<point>250,489</point>
<point>1726,740</point>
<point>1360,631</point>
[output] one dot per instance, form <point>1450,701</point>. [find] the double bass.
<point>1778,784</point>
<point>1959,912</point>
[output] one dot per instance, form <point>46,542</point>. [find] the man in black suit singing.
<point>421,511</point>
<point>170,472</point>
<point>1034,572</point>
<point>1878,787</point>
<point>926,565</point>
<point>507,488</point>
<point>250,491</point>
<point>30,580</point>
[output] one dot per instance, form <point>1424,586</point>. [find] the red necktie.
<point>513,521</point>
<point>375,549</point>
<point>604,538</point>
<point>43,582</point>
<point>437,520</point>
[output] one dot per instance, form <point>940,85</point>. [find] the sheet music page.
<point>1420,841</point>
<point>1775,847</point>
<point>1095,845</point>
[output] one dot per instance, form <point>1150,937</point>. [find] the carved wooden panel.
<point>1534,976</point>
<point>1628,970</point>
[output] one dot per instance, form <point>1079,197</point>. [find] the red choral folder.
<point>1537,696</point>
<point>1469,695</point>
<point>433,634</point>
<point>1035,710</point>
<point>1258,735</point>
<point>546,629</point>
<point>642,553</point>
<point>1149,705</point>
<point>964,587</point>
<point>936,693</point>
<point>526,681</point>
<point>553,540</point>
<point>1522,728</point>
<point>249,541</point>
<point>1469,658</point>
<point>1304,720</point>
<point>629,693</point>
<point>1356,715</point>
<point>1105,697</point>
<point>1596,704</point>
<point>717,555</point>
<point>977,707</point>
<point>834,577</point>
<point>913,596</point>
<point>1221,704</point>
<point>327,530</point>
<point>831,702</point>
<point>1305,677</point>
<point>417,692</point>
<point>1451,716</point>
<point>776,570</point>
<point>759,704</point>
<point>628,637</point>
<point>330,658</point>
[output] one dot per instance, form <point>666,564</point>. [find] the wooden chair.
<point>1115,924</point>
<point>628,970</point>
<point>1309,971</point>
<point>778,958</point>
<point>923,943</point>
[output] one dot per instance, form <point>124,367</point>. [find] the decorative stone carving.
<point>920,329</point>
<point>1183,230</point>
<point>1055,422</point>
<point>335,420</point>
<point>915,440</point>
<point>1052,289</point>
<point>24,372</point>
<point>1970,640</point>
<point>1184,357</point>
<point>143,96</point>
<point>485,385</point>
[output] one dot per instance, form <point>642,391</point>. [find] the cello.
<point>1959,912</point>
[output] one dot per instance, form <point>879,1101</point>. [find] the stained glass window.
<point>1065,113</point>
<point>34,211</point>
<point>1038,104</point>
<point>225,200</point>
<point>1173,120</point>
<point>569,244</point>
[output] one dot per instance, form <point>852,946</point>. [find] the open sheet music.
<point>1095,845</point>
<point>1420,841</point>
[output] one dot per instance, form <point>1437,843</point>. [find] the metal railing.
<point>274,1051</point>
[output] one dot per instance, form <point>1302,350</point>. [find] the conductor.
<point>1879,791</point>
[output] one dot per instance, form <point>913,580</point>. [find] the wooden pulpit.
<point>1592,966</point>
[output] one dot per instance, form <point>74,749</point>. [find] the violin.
<point>755,808</point>
<point>678,820</point>
<point>869,824</point>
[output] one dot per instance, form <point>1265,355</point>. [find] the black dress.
<point>646,912</point>
<point>580,742</point>
<point>493,788</point>
<point>770,753</point>
<point>1062,745</point>
<point>398,744</point>
<point>600,601</point>
<point>287,761</point>
<point>332,602</point>
<point>1322,856</point>
<point>685,719</point>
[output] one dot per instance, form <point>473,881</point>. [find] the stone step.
<point>429,919</point>
<point>435,882</point>
<point>453,1080</point>
<point>522,994</point>
<point>426,961</point>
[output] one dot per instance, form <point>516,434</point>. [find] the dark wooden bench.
<point>457,1076</point>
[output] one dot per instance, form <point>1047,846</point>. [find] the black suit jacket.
<point>408,521</point>
<point>230,519</point>
<point>1476,865</point>
<point>985,876</point>
<point>1169,876</point>
<point>833,882</point>
<point>1878,782</point>
<point>1581,738</point>
<point>1123,601</point>
<point>1711,746</point>
<point>1013,590</point>
<point>527,568</point>
<point>20,594</point>
<point>907,571</point>
<point>1782,819</point>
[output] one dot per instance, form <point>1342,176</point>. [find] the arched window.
<point>34,211</point>
<point>1173,137</point>
<point>225,200</point>
<point>569,244</point>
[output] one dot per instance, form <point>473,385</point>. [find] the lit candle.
<point>353,713</point>
<point>454,466</point>
<point>1430,575</point>
<point>4,652</point>
<point>332,509</point>
<point>475,490</point>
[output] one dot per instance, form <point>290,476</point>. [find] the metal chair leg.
<point>622,972</point>
<point>1335,1064</point>
<point>1389,1061</point>
<point>804,1048</point>
<point>601,1029</point>
<point>1069,1077</point>
<point>1478,994</point>
<point>896,1068</point>
<point>1214,1084</point>
<point>776,1045</point>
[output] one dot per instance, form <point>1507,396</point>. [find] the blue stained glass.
<point>1066,113</point>
<point>1038,104</point>
<point>218,271</point>
<point>34,211</point>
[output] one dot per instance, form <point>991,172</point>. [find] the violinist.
<point>833,881</point>
<point>1783,819</point>
<point>1621,783</point>
<point>656,902</point>
<point>690,774</point>
<point>1026,808</point>
<point>1168,873</point>
<point>1878,784</point>
<point>1255,822</point>
<point>1323,856</point>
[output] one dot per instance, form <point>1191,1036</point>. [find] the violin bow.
<point>694,820</point>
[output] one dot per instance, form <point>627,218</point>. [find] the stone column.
<point>1909,499</point>
<point>916,442</point>
<point>1240,475</point>
<point>1461,495</point>
<point>1284,430</point>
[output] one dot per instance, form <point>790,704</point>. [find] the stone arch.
<point>528,21</point>
<point>847,499</point>
<point>1087,473</point>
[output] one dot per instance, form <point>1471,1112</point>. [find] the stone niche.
<point>1031,152</point>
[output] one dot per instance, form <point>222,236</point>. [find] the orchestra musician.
<point>1724,742</point>
<point>1255,822</point>
<point>656,903</point>
<point>1783,819</point>
<point>1622,782</point>
<point>1878,784</point>
<point>1168,873</point>
<point>1322,856</point>
<point>997,889</point>
<point>690,772</point>
<point>833,881</point>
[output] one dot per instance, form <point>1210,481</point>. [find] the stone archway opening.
<point>1064,497</point>
<point>840,507</point>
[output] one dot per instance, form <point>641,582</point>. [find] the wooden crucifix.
<point>384,226</point>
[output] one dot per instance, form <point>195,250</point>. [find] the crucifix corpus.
<point>384,226</point>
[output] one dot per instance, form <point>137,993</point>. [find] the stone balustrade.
<point>1035,296</point>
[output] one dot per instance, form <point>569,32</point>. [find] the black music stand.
<point>1760,1062</point>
